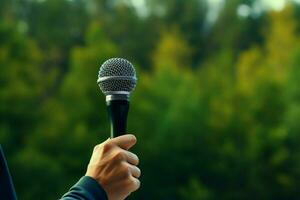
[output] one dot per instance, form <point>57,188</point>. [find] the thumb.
<point>124,141</point>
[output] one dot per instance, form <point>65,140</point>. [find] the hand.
<point>115,168</point>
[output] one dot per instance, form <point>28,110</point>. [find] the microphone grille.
<point>117,67</point>
<point>117,76</point>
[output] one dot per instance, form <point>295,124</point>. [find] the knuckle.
<point>133,184</point>
<point>107,146</point>
<point>125,169</point>
<point>96,147</point>
<point>126,175</point>
<point>130,183</point>
<point>119,156</point>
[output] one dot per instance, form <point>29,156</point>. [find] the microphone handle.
<point>117,112</point>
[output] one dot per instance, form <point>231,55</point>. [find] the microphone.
<point>117,79</point>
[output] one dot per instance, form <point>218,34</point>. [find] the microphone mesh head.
<point>116,76</point>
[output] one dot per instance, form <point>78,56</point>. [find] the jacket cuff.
<point>92,187</point>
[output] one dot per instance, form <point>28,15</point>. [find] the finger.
<point>132,158</point>
<point>135,184</point>
<point>135,171</point>
<point>124,141</point>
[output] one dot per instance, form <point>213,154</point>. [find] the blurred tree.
<point>22,88</point>
<point>196,191</point>
<point>6,10</point>
<point>261,75</point>
<point>290,177</point>
<point>22,85</point>
<point>233,32</point>
<point>188,16</point>
<point>126,23</point>
<point>57,26</point>
<point>172,50</point>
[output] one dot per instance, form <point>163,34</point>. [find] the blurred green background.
<point>216,110</point>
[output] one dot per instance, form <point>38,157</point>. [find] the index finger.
<point>124,141</point>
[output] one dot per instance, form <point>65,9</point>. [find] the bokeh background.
<point>216,110</point>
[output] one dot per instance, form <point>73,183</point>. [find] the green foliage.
<point>195,191</point>
<point>215,110</point>
<point>22,84</point>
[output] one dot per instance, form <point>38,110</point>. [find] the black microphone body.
<point>117,79</point>
<point>117,112</point>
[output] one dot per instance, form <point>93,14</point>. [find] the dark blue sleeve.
<point>7,190</point>
<point>86,189</point>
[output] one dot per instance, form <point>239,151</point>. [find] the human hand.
<point>115,168</point>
